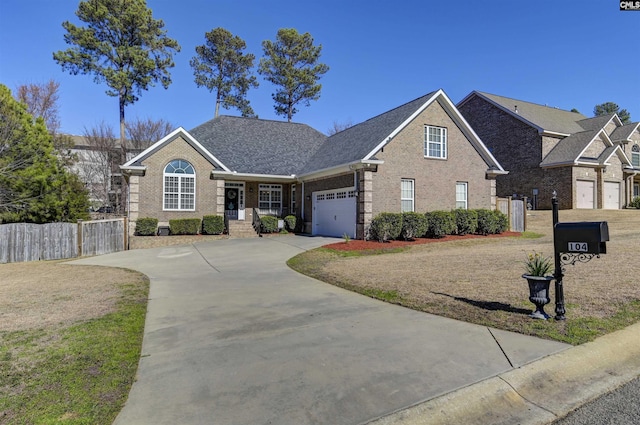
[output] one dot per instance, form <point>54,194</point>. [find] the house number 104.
<point>578,247</point>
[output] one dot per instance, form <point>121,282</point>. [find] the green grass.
<point>531,235</point>
<point>78,375</point>
<point>575,330</point>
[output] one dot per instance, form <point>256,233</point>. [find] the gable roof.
<point>569,151</point>
<point>544,118</point>
<point>361,142</point>
<point>135,164</point>
<point>355,143</point>
<point>251,145</point>
<point>623,133</point>
<point>596,123</point>
<point>284,150</point>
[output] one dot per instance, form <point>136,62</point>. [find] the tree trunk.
<point>217,105</point>
<point>120,191</point>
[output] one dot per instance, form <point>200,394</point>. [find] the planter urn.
<point>539,294</point>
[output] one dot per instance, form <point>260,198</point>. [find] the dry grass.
<point>43,294</point>
<point>480,281</point>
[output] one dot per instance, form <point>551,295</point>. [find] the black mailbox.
<point>581,237</point>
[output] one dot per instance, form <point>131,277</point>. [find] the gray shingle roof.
<point>624,133</point>
<point>356,142</point>
<point>569,148</point>
<point>250,145</point>
<point>548,118</point>
<point>595,123</point>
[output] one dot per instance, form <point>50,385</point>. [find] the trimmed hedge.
<point>386,226</point>
<point>414,225</point>
<point>491,222</point>
<point>635,203</point>
<point>184,226</point>
<point>212,225</point>
<point>146,226</point>
<point>466,221</point>
<point>269,224</point>
<point>440,224</point>
<point>290,223</point>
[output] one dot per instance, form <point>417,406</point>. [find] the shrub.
<point>440,224</point>
<point>502,221</point>
<point>635,203</point>
<point>414,225</point>
<point>146,226</point>
<point>466,221</point>
<point>269,224</point>
<point>491,222</point>
<point>290,222</point>
<point>212,225</point>
<point>386,226</point>
<point>184,226</point>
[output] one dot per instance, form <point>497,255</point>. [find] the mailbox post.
<point>574,242</point>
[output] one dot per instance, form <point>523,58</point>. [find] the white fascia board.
<point>559,164</point>
<point>403,125</point>
<point>233,175</point>
<point>352,166</point>
<point>621,154</point>
<point>171,136</point>
<point>606,140</point>
<point>134,170</point>
<point>494,172</point>
<point>553,133</point>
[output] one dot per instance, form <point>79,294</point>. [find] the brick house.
<point>420,156</point>
<point>589,162</point>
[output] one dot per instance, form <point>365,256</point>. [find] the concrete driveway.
<point>233,336</point>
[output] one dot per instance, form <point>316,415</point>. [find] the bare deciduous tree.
<point>337,127</point>
<point>42,101</point>
<point>142,133</point>
<point>98,160</point>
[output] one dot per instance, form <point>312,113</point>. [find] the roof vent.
<point>515,108</point>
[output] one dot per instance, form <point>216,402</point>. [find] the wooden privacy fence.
<point>516,210</point>
<point>54,241</point>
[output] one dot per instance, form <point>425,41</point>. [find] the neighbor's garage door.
<point>611,195</point>
<point>334,212</point>
<point>584,192</point>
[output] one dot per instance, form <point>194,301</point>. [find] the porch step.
<point>241,229</point>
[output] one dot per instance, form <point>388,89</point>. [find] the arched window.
<point>179,186</point>
<point>635,156</point>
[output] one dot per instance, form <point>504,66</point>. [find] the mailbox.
<point>581,237</point>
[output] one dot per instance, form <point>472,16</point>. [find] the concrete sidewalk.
<point>233,336</point>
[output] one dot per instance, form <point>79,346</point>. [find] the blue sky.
<point>381,54</point>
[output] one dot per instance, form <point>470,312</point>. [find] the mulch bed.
<point>362,245</point>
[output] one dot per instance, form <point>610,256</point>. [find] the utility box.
<point>581,237</point>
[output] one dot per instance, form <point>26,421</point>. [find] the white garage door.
<point>584,193</point>
<point>611,195</point>
<point>334,212</point>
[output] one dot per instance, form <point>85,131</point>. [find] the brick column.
<point>365,202</point>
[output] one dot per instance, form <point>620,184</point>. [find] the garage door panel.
<point>584,194</point>
<point>611,195</point>
<point>334,213</point>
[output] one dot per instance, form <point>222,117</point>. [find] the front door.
<point>231,200</point>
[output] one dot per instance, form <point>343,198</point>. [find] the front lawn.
<point>479,280</point>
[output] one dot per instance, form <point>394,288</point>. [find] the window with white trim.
<point>406,195</point>
<point>270,199</point>
<point>635,156</point>
<point>461,195</point>
<point>636,190</point>
<point>293,199</point>
<point>435,142</point>
<point>179,188</point>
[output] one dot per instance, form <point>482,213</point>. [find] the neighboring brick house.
<point>420,156</point>
<point>589,162</point>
